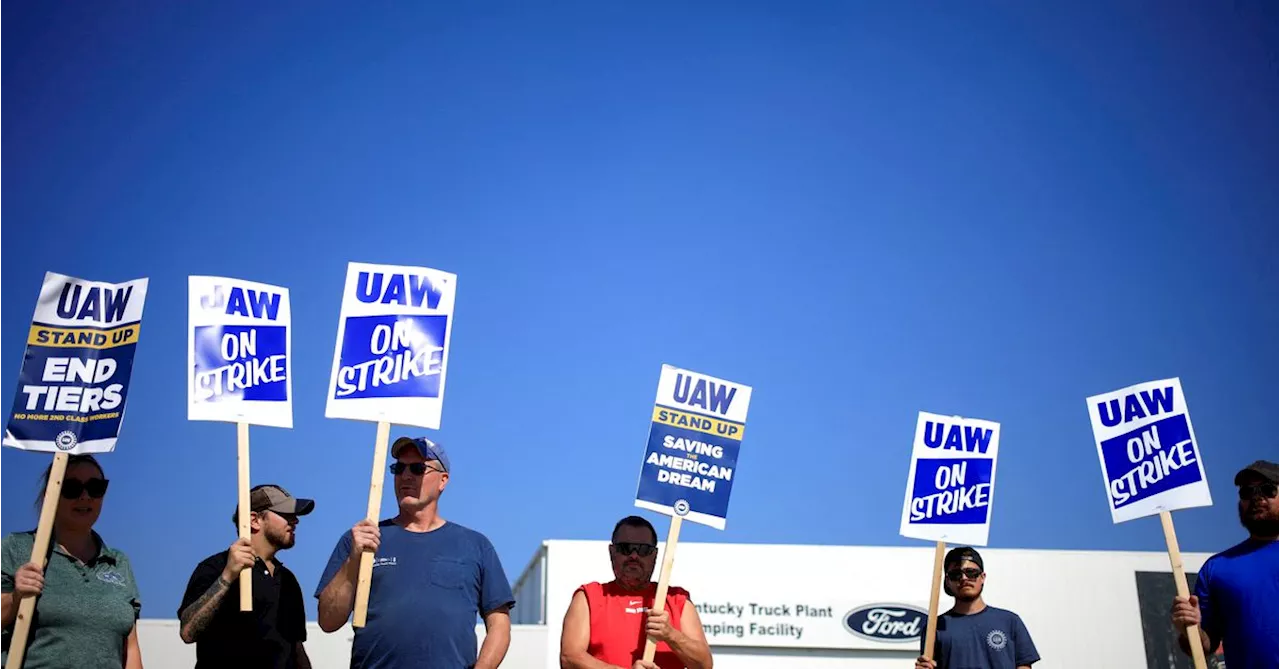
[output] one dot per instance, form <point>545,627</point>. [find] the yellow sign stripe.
<point>692,421</point>
<point>43,335</point>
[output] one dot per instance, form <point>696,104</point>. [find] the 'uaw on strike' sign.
<point>75,375</point>
<point>698,423</point>
<point>238,367</point>
<point>393,345</point>
<point>1150,462</point>
<point>952,480</point>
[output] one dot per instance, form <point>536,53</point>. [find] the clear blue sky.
<point>992,210</point>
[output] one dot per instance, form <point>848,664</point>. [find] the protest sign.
<point>238,370</point>
<point>951,483</point>
<point>71,391</point>
<point>389,365</point>
<point>690,460</point>
<point>950,488</point>
<point>1151,464</point>
<point>1150,460</point>
<point>238,350</point>
<point>75,374</point>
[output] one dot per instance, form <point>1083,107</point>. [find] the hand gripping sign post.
<point>389,364</point>
<point>71,391</point>
<point>950,489</point>
<point>238,369</point>
<point>1151,464</point>
<point>689,463</point>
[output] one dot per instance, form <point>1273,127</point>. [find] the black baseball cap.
<point>269,496</point>
<point>1267,470</point>
<point>961,554</point>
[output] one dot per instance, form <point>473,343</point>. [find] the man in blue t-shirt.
<point>1238,593</point>
<point>431,578</point>
<point>973,635</point>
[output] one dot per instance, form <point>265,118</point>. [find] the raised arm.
<point>195,616</point>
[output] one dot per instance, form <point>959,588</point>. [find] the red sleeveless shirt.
<point>617,623</point>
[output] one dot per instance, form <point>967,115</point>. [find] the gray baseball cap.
<point>269,496</point>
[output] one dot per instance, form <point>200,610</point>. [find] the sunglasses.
<point>970,573</point>
<point>418,468</point>
<point>643,550</point>
<point>72,488</point>
<point>1263,490</point>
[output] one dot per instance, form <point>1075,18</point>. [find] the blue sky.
<point>985,209</point>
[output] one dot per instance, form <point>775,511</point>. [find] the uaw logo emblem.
<point>66,440</point>
<point>681,507</point>
<point>887,622</point>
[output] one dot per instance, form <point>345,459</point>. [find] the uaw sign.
<point>392,354</point>
<point>75,374</point>
<point>238,362</point>
<point>1148,451</point>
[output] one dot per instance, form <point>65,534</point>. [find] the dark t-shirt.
<point>989,639</point>
<point>1239,595</point>
<point>427,589</point>
<point>264,638</point>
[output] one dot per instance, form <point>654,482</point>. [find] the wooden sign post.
<point>931,628</point>
<point>39,554</point>
<point>664,580</point>
<point>359,616</point>
<point>1180,582</point>
<point>242,460</point>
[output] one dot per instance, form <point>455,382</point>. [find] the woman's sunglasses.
<point>72,488</point>
<point>643,550</point>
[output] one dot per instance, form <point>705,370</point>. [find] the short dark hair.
<point>72,460</point>
<point>634,521</point>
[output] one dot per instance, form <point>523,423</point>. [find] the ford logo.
<point>887,622</point>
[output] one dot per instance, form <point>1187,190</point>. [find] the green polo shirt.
<point>85,612</point>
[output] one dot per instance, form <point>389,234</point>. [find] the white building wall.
<point>1081,607</point>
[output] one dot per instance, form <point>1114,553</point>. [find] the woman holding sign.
<point>87,611</point>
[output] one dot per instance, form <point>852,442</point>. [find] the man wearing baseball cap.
<point>270,635</point>
<point>1237,592</point>
<point>972,634</point>
<point>431,578</point>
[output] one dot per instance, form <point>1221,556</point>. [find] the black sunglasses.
<point>969,572</point>
<point>418,468</point>
<point>1263,490</point>
<point>643,550</point>
<point>72,488</point>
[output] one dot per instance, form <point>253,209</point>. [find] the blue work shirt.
<point>427,589</point>
<point>1239,593</point>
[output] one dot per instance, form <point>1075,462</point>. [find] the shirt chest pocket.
<point>451,574</point>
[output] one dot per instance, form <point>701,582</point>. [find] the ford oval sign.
<point>887,622</point>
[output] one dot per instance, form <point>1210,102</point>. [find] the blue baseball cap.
<point>429,450</point>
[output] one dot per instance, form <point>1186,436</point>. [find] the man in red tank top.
<point>607,623</point>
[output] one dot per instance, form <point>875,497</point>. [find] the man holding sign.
<point>270,635</point>
<point>431,578</point>
<point>1238,594</point>
<point>606,624</point>
<point>973,635</point>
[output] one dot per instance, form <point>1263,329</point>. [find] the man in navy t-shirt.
<point>431,578</point>
<point>973,635</point>
<point>1238,593</point>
